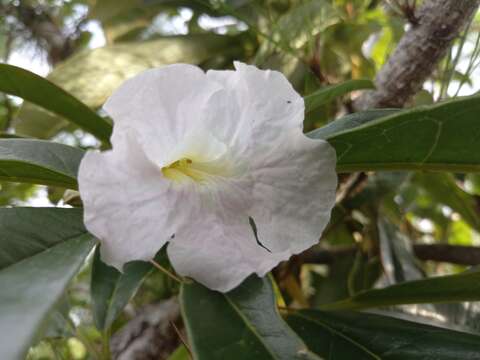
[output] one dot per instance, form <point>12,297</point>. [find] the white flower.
<point>196,157</point>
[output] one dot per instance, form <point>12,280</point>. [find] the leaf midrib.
<point>69,238</point>
<point>110,300</point>
<point>73,184</point>
<point>338,333</point>
<point>420,109</point>
<point>247,323</point>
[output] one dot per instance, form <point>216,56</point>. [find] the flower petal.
<point>218,255</point>
<point>129,206</point>
<point>160,107</point>
<point>289,195</point>
<point>235,140</point>
<point>294,192</point>
<point>256,106</point>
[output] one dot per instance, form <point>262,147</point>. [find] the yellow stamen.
<point>182,169</point>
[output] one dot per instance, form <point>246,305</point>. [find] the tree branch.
<point>454,254</point>
<point>149,335</point>
<point>36,22</point>
<point>418,52</point>
<point>461,255</point>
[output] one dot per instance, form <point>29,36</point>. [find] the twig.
<point>454,254</point>
<point>182,339</point>
<point>167,272</point>
<point>350,186</point>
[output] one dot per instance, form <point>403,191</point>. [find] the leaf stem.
<point>106,345</point>
<point>80,335</point>
<point>167,272</point>
<point>182,339</point>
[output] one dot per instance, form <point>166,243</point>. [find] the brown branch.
<point>418,52</point>
<point>149,335</point>
<point>454,254</point>
<point>37,23</point>
<point>461,255</point>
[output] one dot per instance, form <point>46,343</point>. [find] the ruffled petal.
<point>294,192</point>
<point>128,205</point>
<point>220,255</point>
<point>255,106</point>
<point>160,107</point>
<point>288,192</point>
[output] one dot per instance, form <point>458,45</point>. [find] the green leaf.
<point>4,135</point>
<point>241,324</point>
<point>360,336</point>
<point>31,87</point>
<point>122,19</point>
<point>441,289</point>
<point>332,286</point>
<point>181,353</point>
<point>444,189</point>
<point>304,22</point>
<point>398,260</point>
<point>93,75</point>
<point>42,249</point>
<point>106,9</point>
<point>440,137</point>
<point>12,193</point>
<point>25,232</point>
<point>349,121</point>
<point>328,93</point>
<point>111,290</point>
<point>39,162</point>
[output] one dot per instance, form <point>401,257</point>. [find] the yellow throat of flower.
<point>199,170</point>
<point>183,169</point>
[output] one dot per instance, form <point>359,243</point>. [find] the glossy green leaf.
<point>39,162</point>
<point>25,231</point>
<point>93,75</point>
<point>361,336</point>
<point>349,121</point>
<point>441,289</point>
<point>31,87</point>
<point>42,249</point>
<point>241,324</point>
<point>442,137</point>
<point>328,93</point>
<point>111,290</point>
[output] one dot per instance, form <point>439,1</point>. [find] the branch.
<point>38,23</point>
<point>418,52</point>
<point>149,335</point>
<point>461,255</point>
<point>454,254</point>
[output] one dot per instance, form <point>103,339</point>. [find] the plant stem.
<point>106,345</point>
<point>167,272</point>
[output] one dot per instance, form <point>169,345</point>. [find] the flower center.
<point>201,158</point>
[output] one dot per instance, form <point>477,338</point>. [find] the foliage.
<point>407,178</point>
